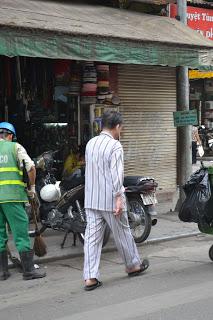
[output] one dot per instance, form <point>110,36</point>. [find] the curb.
<point>113,248</point>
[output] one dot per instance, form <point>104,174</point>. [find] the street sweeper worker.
<point>13,196</point>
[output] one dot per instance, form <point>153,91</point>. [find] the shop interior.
<point>56,104</point>
<point>201,99</point>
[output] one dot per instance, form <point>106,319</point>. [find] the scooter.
<point>206,136</point>
<point>61,202</point>
<point>141,200</point>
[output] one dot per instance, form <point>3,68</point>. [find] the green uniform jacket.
<point>12,187</point>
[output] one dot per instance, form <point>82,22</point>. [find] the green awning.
<point>40,44</point>
<point>85,32</point>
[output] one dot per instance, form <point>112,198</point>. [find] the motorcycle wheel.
<point>211,253</point>
<point>139,232</point>
<point>105,240</point>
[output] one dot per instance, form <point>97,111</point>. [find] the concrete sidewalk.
<point>168,228</point>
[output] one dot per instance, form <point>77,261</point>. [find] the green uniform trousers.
<point>15,215</point>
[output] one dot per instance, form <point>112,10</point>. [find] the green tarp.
<point>37,43</point>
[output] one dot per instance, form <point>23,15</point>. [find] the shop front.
<point>148,96</point>
<point>56,104</point>
<point>200,18</point>
<point>62,72</point>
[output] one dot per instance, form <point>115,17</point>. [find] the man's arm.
<point>117,176</point>
<point>198,137</point>
<point>30,167</point>
<point>32,176</point>
<point>117,170</point>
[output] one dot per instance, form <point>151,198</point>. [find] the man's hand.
<point>118,206</point>
<point>31,192</point>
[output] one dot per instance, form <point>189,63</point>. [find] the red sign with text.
<point>199,19</point>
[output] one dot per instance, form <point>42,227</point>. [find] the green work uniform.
<point>12,199</point>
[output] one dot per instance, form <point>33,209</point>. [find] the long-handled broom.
<point>39,247</point>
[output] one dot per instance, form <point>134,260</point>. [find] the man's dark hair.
<point>111,119</point>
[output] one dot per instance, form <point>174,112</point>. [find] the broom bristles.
<point>39,247</point>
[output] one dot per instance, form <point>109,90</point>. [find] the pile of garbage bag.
<point>198,205</point>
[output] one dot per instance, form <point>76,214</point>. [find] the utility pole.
<point>184,133</point>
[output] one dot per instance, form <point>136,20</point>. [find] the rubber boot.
<point>29,271</point>
<point>4,272</point>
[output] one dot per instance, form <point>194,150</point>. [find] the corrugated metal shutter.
<point>148,99</point>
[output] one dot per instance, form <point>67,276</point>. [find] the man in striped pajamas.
<point>105,202</point>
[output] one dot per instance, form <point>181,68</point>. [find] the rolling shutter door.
<point>148,100</point>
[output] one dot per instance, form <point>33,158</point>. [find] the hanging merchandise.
<point>89,86</point>
<point>104,94</point>
<point>75,80</point>
<point>48,85</point>
<point>8,78</point>
<point>50,101</point>
<point>51,136</point>
<point>6,115</point>
<point>62,72</point>
<point>61,89</point>
<point>19,92</point>
<point>60,93</point>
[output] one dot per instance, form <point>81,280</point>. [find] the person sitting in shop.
<point>78,171</point>
<point>77,175</point>
<point>74,161</point>
<point>70,161</point>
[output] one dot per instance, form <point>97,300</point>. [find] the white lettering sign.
<point>199,17</point>
<point>3,158</point>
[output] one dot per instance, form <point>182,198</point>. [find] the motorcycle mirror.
<point>40,163</point>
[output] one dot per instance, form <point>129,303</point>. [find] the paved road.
<point>177,286</point>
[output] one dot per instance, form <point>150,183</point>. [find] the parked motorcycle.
<point>141,200</point>
<point>61,204</point>
<point>206,136</point>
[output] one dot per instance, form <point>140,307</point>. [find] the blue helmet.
<point>7,127</point>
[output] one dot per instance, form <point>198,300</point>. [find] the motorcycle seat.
<point>140,183</point>
<point>70,183</point>
<point>132,181</point>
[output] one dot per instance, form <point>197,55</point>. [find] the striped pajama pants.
<point>96,223</point>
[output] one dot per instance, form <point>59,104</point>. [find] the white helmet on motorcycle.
<point>50,193</point>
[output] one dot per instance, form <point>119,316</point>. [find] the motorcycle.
<point>206,136</point>
<point>141,199</point>
<point>61,203</point>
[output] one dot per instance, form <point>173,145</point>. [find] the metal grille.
<point>148,99</point>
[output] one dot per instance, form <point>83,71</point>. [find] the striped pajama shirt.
<point>103,182</point>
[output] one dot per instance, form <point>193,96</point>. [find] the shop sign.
<point>185,118</point>
<point>199,19</point>
<point>196,74</point>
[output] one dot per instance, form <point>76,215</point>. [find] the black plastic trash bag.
<point>198,193</point>
<point>209,210</point>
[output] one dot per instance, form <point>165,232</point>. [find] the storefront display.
<point>96,111</point>
<point>201,98</point>
<point>49,102</point>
